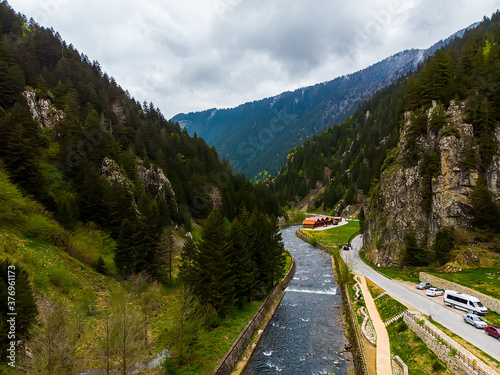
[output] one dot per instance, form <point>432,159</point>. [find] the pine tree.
<point>276,251</point>
<point>216,278</point>
<point>486,214</point>
<point>189,264</point>
<point>244,266</point>
<point>259,239</point>
<point>163,262</point>
<point>20,153</point>
<point>125,255</point>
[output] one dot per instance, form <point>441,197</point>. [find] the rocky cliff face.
<point>155,178</point>
<point>42,110</point>
<point>47,116</point>
<point>152,178</point>
<point>411,200</point>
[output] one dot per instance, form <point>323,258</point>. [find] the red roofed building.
<point>317,221</point>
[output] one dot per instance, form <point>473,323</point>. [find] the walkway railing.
<point>354,323</point>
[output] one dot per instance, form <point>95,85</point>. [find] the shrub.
<point>100,266</point>
<point>438,366</point>
<point>44,229</point>
<point>401,327</point>
<point>152,297</point>
<point>60,278</point>
<point>79,250</point>
<point>88,304</point>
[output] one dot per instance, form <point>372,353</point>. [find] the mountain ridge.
<point>251,135</point>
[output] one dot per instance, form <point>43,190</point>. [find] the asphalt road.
<point>446,316</point>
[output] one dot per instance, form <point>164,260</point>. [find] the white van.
<point>465,302</point>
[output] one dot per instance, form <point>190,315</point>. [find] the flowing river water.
<point>304,336</point>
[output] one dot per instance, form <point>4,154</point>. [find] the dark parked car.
<point>424,285</point>
<point>493,331</point>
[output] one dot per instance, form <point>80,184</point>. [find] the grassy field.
<point>336,235</point>
<point>386,305</point>
<point>413,351</point>
<point>486,281</point>
<point>490,361</point>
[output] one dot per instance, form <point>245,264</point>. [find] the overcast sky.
<point>192,55</point>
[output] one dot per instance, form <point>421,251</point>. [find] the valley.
<point>130,243</point>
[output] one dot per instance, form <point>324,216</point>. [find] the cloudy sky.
<point>192,55</point>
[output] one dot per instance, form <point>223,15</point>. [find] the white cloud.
<point>198,54</point>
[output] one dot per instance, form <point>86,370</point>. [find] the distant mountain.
<point>257,136</point>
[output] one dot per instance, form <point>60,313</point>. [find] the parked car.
<point>493,331</point>
<point>433,292</point>
<point>424,285</point>
<point>475,320</point>
<point>457,300</point>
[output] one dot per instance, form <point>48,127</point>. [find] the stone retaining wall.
<point>490,302</point>
<point>458,360</point>
<point>398,366</point>
<point>230,359</point>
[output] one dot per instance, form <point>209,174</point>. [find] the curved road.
<point>449,318</point>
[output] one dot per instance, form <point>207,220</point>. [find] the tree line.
<point>233,262</point>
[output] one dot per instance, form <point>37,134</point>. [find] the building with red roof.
<point>317,221</point>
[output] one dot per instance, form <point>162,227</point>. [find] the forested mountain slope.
<point>72,138</point>
<point>421,156</point>
<point>256,136</point>
<point>98,194</point>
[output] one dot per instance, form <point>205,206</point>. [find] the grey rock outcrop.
<point>400,209</point>
<point>42,110</point>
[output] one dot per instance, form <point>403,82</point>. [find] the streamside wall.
<point>230,359</point>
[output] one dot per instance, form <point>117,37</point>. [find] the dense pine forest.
<point>343,165</point>
<point>108,160</point>
<point>108,185</point>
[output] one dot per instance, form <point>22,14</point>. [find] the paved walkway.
<point>383,357</point>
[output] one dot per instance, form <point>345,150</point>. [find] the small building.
<point>317,221</point>
<point>308,223</point>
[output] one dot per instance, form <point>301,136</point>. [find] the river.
<point>304,336</point>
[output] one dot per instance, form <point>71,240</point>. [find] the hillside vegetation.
<point>420,158</point>
<point>98,195</point>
